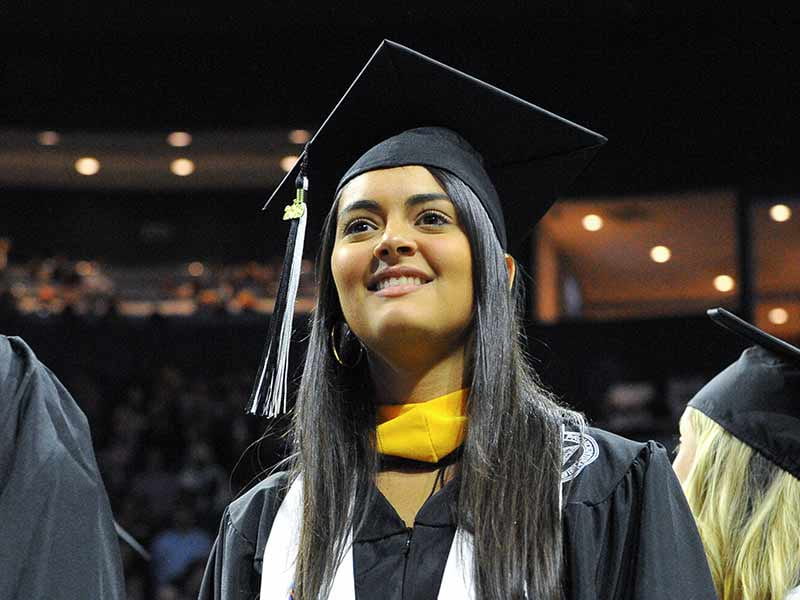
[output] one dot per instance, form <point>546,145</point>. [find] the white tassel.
<point>269,396</point>
<point>276,402</point>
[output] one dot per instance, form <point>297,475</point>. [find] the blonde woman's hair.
<point>748,514</point>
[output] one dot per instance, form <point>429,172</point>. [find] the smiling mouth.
<point>398,281</point>
<point>398,286</point>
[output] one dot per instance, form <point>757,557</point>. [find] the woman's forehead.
<point>394,184</point>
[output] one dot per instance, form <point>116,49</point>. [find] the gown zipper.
<point>409,535</point>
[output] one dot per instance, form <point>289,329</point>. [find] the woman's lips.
<point>399,290</point>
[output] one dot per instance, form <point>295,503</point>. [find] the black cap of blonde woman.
<point>757,398</point>
<point>404,108</point>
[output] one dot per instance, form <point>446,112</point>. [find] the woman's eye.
<point>357,226</point>
<point>432,217</point>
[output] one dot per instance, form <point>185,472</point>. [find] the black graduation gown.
<point>627,528</point>
<point>57,538</point>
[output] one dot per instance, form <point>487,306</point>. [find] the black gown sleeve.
<point>57,537</point>
<point>229,572</point>
<point>233,571</point>
<point>670,562</point>
<point>629,532</point>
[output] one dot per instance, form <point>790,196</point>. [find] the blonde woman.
<point>739,464</point>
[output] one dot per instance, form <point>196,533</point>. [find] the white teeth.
<point>393,281</point>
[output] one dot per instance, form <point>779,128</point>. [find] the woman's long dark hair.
<point>510,470</point>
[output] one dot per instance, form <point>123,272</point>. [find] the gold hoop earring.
<point>336,351</point>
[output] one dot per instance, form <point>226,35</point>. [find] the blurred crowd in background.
<point>166,447</point>
<point>56,284</point>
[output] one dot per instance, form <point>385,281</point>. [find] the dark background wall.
<point>686,98</point>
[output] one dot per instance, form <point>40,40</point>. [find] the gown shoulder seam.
<point>643,455</point>
<point>229,523</point>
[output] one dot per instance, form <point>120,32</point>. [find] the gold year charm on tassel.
<point>296,209</point>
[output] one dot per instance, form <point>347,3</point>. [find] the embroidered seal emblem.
<point>578,451</point>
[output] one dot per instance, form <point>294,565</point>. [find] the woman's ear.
<point>511,265</point>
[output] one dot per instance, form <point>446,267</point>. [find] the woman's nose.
<point>394,245</point>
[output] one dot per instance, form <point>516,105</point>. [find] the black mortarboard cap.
<point>530,154</point>
<point>405,108</point>
<point>757,398</point>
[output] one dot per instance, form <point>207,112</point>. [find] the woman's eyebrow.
<point>372,205</point>
<point>361,205</point>
<point>422,198</point>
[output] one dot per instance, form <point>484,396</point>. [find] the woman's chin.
<point>403,333</point>
<point>395,329</point>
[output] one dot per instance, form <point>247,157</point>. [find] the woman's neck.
<point>418,382</point>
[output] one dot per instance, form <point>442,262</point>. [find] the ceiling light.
<point>778,316</point>
<point>179,139</point>
<point>196,269</point>
<point>48,138</point>
<point>592,223</point>
<point>724,283</point>
<point>660,254</point>
<point>182,167</point>
<point>287,162</point>
<point>780,213</point>
<point>299,136</point>
<point>87,165</point>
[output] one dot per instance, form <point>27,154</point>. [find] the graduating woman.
<point>428,460</point>
<point>739,463</point>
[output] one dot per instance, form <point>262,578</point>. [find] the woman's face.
<point>688,447</point>
<point>402,265</point>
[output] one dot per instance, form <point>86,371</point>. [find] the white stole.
<point>277,576</point>
<point>280,553</point>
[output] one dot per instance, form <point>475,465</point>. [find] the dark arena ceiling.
<point>686,100</point>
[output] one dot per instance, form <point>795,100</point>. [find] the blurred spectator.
<point>168,592</point>
<point>156,486</point>
<point>5,248</point>
<point>176,549</point>
<point>205,481</point>
<point>7,304</point>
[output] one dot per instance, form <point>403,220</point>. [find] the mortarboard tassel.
<point>268,397</point>
<point>132,542</point>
